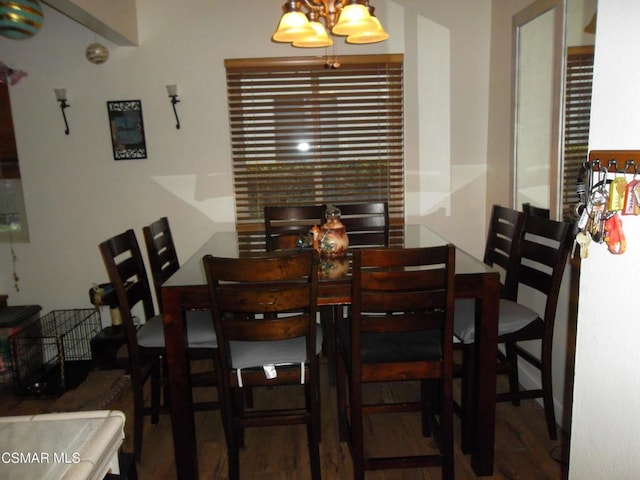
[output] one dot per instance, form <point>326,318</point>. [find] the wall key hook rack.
<point>608,188</point>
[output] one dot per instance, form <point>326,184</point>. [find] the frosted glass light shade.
<point>293,26</point>
<point>377,35</point>
<point>318,39</point>
<point>172,90</point>
<point>354,19</point>
<point>61,93</point>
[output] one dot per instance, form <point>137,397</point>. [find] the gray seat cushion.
<point>200,331</point>
<point>275,352</point>
<point>513,317</point>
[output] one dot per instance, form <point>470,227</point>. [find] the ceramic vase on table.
<point>333,240</point>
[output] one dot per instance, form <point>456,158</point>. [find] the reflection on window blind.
<point>302,133</point>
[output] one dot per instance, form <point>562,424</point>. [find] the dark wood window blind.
<point>302,133</point>
<point>579,79</point>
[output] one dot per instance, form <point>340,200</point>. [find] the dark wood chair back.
<point>290,220</point>
<point>163,258</point>
<point>401,329</point>
<point>245,289</point>
<point>125,267</point>
<point>542,258</point>
<point>529,209</point>
<point>367,224</point>
<point>503,239</point>
<point>256,302</point>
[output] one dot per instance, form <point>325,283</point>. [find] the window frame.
<point>353,116</point>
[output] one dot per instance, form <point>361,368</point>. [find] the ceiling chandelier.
<point>300,23</point>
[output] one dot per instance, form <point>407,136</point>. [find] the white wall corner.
<point>116,20</point>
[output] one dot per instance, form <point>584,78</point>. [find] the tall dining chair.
<point>542,255</point>
<point>145,339</point>
<point>264,311</point>
<point>289,220</point>
<point>400,329</point>
<point>501,252</point>
<point>367,224</point>
<point>163,261</point>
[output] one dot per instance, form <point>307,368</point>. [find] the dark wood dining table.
<point>187,288</point>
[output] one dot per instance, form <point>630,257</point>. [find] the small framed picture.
<point>127,129</point>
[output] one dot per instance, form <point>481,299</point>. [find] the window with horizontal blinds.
<point>577,116</point>
<point>302,133</point>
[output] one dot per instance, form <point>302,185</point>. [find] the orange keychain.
<point>614,236</point>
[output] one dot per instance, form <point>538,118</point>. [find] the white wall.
<point>605,431</point>
<point>77,195</point>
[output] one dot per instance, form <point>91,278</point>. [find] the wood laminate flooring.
<point>523,448</point>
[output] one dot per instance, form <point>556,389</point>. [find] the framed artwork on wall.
<point>127,129</point>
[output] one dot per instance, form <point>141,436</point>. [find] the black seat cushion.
<point>391,347</point>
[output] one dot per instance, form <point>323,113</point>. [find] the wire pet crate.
<point>53,355</point>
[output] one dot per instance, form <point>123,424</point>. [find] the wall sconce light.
<point>172,90</point>
<point>61,96</point>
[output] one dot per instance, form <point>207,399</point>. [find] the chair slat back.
<point>282,287</point>
<point>289,221</point>
<point>367,224</point>
<point>163,258</point>
<point>542,258</point>
<point>395,290</point>
<point>501,248</point>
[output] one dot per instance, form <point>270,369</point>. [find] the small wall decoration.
<point>11,74</point>
<point>127,129</point>
<point>97,53</point>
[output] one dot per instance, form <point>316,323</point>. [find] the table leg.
<point>182,420</point>
<point>485,350</point>
<point>330,315</point>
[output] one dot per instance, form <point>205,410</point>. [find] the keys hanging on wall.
<point>605,194</point>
